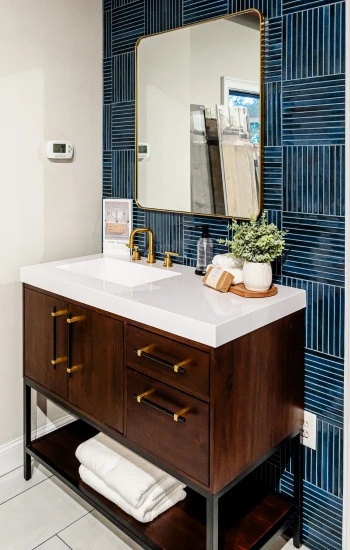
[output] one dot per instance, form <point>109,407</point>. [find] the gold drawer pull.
<point>59,313</point>
<point>178,367</point>
<point>145,394</point>
<point>58,360</point>
<point>75,319</point>
<point>179,416</point>
<point>74,369</point>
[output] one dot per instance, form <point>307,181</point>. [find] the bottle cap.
<point>205,231</point>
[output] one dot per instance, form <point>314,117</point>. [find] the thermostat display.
<point>144,151</point>
<point>59,149</point>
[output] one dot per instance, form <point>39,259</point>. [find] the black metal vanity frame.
<point>291,520</point>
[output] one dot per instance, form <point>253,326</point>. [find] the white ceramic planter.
<point>257,277</point>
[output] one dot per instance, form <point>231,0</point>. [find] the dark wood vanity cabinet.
<point>208,416</point>
<point>45,340</point>
<point>60,336</point>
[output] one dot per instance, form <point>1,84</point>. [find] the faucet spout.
<point>151,256</point>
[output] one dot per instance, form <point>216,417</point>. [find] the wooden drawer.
<point>160,357</point>
<point>150,425</point>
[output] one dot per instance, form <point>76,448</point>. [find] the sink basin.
<point>119,272</point>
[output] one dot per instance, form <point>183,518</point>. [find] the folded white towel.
<point>123,471</point>
<point>231,265</point>
<point>145,513</point>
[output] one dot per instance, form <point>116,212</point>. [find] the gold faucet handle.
<point>136,255</point>
<point>167,259</point>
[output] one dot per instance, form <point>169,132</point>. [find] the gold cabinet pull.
<point>145,394</point>
<point>74,369</point>
<point>179,416</point>
<point>59,313</point>
<point>177,367</point>
<point>144,350</point>
<point>181,413</point>
<point>75,319</point>
<point>58,360</point>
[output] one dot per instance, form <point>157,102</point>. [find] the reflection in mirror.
<point>198,116</point>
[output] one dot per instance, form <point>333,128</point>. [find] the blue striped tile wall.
<point>304,192</point>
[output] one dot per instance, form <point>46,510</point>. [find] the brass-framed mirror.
<point>199,118</point>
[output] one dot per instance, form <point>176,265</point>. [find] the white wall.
<point>176,69</point>
<point>50,88</point>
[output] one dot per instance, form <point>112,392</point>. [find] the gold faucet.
<point>136,255</point>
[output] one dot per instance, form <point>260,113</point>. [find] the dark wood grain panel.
<point>186,445</point>
<point>38,341</point>
<point>96,343</point>
<point>196,378</point>
<point>256,396</point>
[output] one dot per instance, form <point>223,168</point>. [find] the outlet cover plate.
<point>309,437</point>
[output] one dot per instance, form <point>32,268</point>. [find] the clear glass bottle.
<point>204,251</point>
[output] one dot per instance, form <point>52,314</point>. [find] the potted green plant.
<point>258,243</point>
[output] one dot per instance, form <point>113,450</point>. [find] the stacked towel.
<point>229,263</point>
<point>131,482</point>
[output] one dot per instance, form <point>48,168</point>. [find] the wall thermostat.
<point>144,151</point>
<point>59,149</point>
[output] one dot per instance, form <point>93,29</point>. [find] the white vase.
<point>257,277</point>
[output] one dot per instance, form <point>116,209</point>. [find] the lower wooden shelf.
<point>249,514</point>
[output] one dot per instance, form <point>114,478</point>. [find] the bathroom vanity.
<point>204,385</point>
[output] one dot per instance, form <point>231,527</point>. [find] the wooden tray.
<point>241,290</point>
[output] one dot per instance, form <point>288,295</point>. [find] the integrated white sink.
<point>120,272</point>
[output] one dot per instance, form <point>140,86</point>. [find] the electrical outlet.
<point>309,430</point>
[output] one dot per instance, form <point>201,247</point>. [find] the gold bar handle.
<point>58,360</point>
<point>59,313</point>
<point>74,369</point>
<point>75,319</point>
<point>181,413</point>
<point>180,366</point>
<point>145,394</point>
<point>144,350</point>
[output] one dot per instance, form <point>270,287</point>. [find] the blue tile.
<point>314,42</point>
<point>162,15</point>
<point>314,111</point>
<point>123,125</point>
<point>107,81</point>
<point>107,175</point>
<point>314,179</point>
<point>200,10</point>
<point>123,84</point>
<point>324,387</point>
<point>128,25</point>
<point>107,127</point>
<point>168,232</point>
<point>273,50</point>
<point>273,114</point>
<point>324,322</point>
<point>273,178</point>
<point>107,34</point>
<point>269,8</point>
<point>315,248</point>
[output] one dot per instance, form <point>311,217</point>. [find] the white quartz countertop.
<point>181,305</point>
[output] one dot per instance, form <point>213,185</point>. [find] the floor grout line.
<point>70,548</point>
<point>25,490</point>
<point>61,531</point>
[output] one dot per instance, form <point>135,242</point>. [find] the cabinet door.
<point>45,340</point>
<point>95,351</point>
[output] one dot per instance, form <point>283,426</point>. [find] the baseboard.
<point>11,452</point>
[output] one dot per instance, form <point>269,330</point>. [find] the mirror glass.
<point>199,116</point>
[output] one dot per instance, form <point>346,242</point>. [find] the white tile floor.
<point>44,514</point>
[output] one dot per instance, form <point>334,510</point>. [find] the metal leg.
<point>298,490</point>
<point>27,430</point>
<point>213,532</point>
